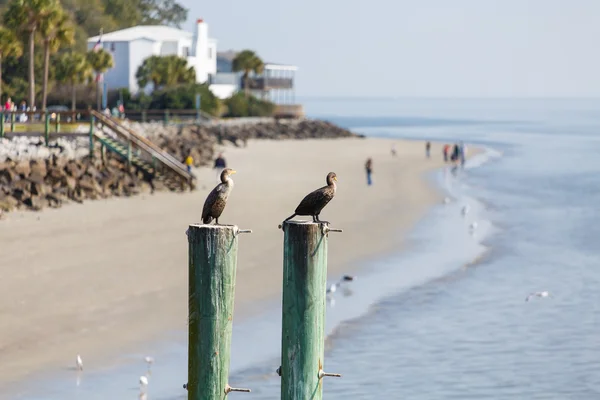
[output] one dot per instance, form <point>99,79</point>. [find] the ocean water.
<point>447,318</point>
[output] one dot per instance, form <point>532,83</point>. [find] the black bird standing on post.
<point>217,199</point>
<point>314,202</point>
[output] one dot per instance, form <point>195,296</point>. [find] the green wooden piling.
<point>144,116</point>
<point>46,128</point>
<point>166,117</point>
<point>12,121</point>
<point>1,125</point>
<point>303,318</point>
<point>129,153</point>
<point>212,269</point>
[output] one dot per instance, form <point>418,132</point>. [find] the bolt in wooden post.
<point>303,320</point>
<point>212,269</point>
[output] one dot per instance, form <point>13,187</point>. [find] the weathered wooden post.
<point>1,125</point>
<point>303,312</point>
<point>212,270</point>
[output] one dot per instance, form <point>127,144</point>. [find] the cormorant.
<point>314,202</point>
<point>217,199</point>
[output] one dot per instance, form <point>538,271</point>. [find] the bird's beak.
<point>233,171</point>
<point>335,178</point>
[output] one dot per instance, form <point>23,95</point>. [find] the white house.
<point>276,83</point>
<point>130,47</point>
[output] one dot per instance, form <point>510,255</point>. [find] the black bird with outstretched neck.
<point>217,199</point>
<point>314,202</point>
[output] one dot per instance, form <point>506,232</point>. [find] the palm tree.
<point>164,71</point>
<point>247,61</point>
<point>9,46</point>
<point>25,16</point>
<point>56,31</point>
<point>150,72</point>
<point>100,61</point>
<point>73,68</point>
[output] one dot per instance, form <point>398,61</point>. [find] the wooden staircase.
<point>141,153</point>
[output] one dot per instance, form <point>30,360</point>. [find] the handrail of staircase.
<point>144,144</point>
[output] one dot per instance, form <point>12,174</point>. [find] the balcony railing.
<point>225,78</point>
<point>268,83</point>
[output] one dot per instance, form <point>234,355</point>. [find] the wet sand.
<point>105,276</point>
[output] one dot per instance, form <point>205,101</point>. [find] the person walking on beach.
<point>455,153</point>
<point>220,165</point>
<point>446,150</point>
<point>428,149</point>
<point>369,169</point>
<point>189,161</point>
<point>393,149</point>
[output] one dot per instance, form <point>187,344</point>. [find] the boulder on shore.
<point>36,184</point>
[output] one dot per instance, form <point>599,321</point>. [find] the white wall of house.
<point>131,46</point>
<point>223,91</point>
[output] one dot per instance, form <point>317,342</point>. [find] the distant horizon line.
<point>316,97</point>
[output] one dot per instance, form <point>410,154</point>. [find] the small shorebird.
<point>333,287</point>
<point>313,203</point>
<point>465,210</point>
<point>149,360</point>
<point>537,294</point>
<point>143,381</point>
<point>473,226</point>
<point>447,200</point>
<point>79,363</point>
<point>217,199</point>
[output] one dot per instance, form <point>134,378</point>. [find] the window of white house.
<point>186,52</point>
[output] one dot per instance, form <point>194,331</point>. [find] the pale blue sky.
<point>448,48</point>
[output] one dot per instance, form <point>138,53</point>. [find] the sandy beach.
<point>104,277</point>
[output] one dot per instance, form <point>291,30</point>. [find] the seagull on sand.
<point>537,294</point>
<point>79,363</point>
